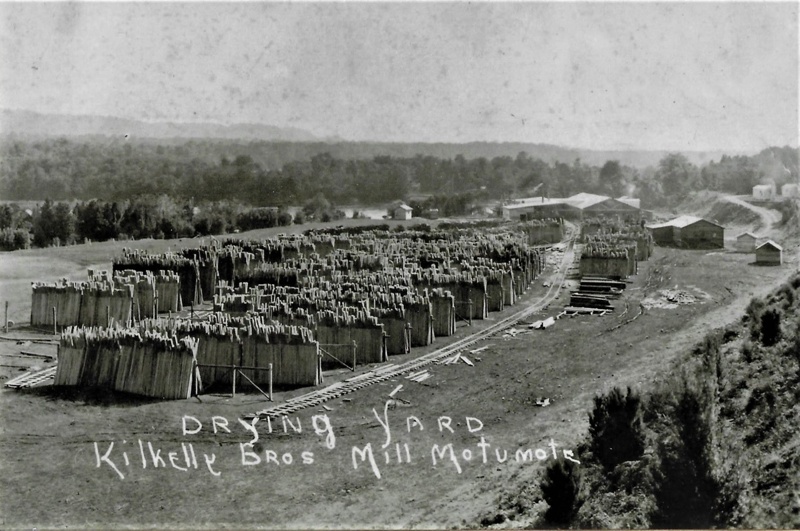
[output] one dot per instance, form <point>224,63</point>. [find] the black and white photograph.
<point>399,265</point>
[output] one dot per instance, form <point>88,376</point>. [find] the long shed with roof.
<point>690,232</point>
<point>574,207</point>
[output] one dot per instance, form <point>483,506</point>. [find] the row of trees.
<point>148,216</point>
<point>67,170</point>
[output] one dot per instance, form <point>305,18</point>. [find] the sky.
<point>676,76</point>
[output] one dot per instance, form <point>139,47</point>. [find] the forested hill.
<point>64,169</point>
<point>272,147</point>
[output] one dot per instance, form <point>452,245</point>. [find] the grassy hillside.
<point>718,439</point>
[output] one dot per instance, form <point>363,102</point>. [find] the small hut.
<point>746,242</point>
<point>790,190</point>
<point>769,253</point>
<point>402,211</point>
<point>764,191</point>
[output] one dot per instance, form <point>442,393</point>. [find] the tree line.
<point>147,216</point>
<point>62,169</point>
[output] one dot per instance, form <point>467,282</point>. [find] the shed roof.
<point>404,207</point>
<point>748,234</point>
<point>535,201</point>
<point>681,221</point>
<point>584,200</point>
<point>771,244</point>
<point>630,201</point>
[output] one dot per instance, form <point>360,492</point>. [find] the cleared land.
<point>51,475</point>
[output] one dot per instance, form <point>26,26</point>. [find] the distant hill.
<point>32,124</point>
<point>304,145</point>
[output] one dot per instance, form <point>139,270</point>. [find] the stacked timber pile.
<point>80,303</point>
<point>619,231</point>
<point>469,291</point>
<point>152,292</point>
<point>590,300</point>
<point>207,262</point>
<point>346,325</point>
<point>443,308</point>
<point>601,285</point>
<point>153,364</point>
<point>187,270</point>
<point>233,261</point>
<point>607,260</point>
<point>398,337</point>
<point>544,231</point>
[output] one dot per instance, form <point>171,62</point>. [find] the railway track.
<point>387,372</point>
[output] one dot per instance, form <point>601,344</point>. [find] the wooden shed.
<point>690,232</point>
<point>790,190</point>
<point>746,242</point>
<point>769,253</point>
<point>402,211</point>
<point>764,191</point>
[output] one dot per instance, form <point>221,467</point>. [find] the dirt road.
<point>768,217</point>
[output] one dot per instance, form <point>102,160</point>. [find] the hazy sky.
<point>592,75</point>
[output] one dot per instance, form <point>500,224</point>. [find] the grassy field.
<point>440,462</point>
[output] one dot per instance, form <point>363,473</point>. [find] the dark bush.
<point>561,490</point>
<point>770,327</point>
<point>615,427</point>
<point>14,239</point>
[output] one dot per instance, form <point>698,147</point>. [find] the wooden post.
<point>191,310</point>
<point>354,355</point>
<point>6,317</point>
<point>55,322</point>
<point>233,389</point>
<point>470,310</point>
<point>270,383</point>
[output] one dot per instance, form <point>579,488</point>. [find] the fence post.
<point>6,317</point>
<point>270,383</point>
<point>108,316</point>
<point>470,310</point>
<point>354,355</point>
<point>55,322</point>
<point>233,389</point>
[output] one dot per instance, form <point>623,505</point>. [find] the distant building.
<point>577,206</point>
<point>746,242</point>
<point>769,253</point>
<point>689,232</point>
<point>764,191</point>
<point>790,190</point>
<point>431,213</point>
<point>402,211</point>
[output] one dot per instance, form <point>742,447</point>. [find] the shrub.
<point>685,489</point>
<point>561,490</point>
<point>14,239</point>
<point>615,427</point>
<point>770,327</point>
<point>284,219</point>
